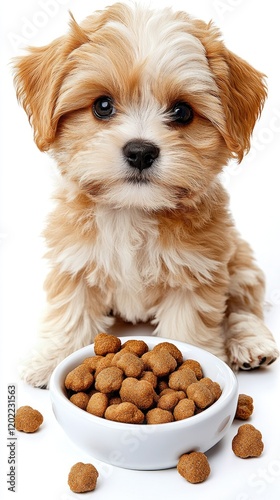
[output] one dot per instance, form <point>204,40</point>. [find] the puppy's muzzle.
<point>140,154</point>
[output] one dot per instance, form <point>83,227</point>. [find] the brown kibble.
<point>137,347</point>
<point>193,365</point>
<point>139,392</point>
<point>194,467</point>
<point>172,349</point>
<point>245,407</point>
<point>130,364</point>
<point>159,416</point>
<point>80,399</point>
<point>214,387</point>
<point>27,419</point>
<point>247,442</point>
<point>181,379</point>
<point>82,477</point>
<point>200,394</point>
<point>184,409</point>
<point>79,380</point>
<point>168,401</point>
<point>92,362</point>
<point>160,362</point>
<point>98,404</point>
<point>126,412</point>
<point>104,362</point>
<point>149,377</point>
<point>105,344</point>
<point>109,379</point>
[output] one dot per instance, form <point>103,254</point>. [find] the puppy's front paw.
<point>250,343</point>
<point>36,370</point>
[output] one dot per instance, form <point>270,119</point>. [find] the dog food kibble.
<point>80,399</point>
<point>139,392</point>
<point>200,394</point>
<point>160,362</point>
<point>82,478</point>
<point>126,412</point>
<point>130,383</point>
<point>194,467</point>
<point>97,404</point>
<point>159,416</point>
<point>184,409</point>
<point>109,380</point>
<point>131,365</point>
<point>181,379</point>
<point>247,442</point>
<point>79,379</point>
<point>105,344</point>
<point>27,419</point>
<point>138,347</point>
<point>245,407</point>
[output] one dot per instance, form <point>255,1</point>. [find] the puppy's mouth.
<point>138,178</point>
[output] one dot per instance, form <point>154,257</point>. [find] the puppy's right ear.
<point>38,79</point>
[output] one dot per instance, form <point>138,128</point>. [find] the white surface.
<point>251,29</point>
<point>146,447</point>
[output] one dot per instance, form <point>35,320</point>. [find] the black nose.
<point>140,154</point>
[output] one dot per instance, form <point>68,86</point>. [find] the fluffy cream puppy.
<point>141,110</point>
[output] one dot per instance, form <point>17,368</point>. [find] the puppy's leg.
<point>75,313</point>
<point>249,343</point>
<point>187,316</point>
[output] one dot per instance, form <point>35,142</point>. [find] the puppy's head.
<point>140,108</point>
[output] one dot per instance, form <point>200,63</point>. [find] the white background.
<point>251,29</point>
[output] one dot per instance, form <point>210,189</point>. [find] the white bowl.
<point>146,447</point>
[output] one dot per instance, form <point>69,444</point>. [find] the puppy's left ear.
<point>242,90</point>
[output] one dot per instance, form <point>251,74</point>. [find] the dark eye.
<point>182,113</point>
<point>103,108</point>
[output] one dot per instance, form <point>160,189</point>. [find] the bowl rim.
<point>57,392</point>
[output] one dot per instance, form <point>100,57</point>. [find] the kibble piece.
<point>247,442</point>
<point>27,419</point>
<point>139,392</point>
<point>200,394</point>
<point>160,362</point>
<point>184,409</point>
<point>194,467</point>
<point>104,362</point>
<point>193,365</point>
<point>105,344</point>
<point>98,404</point>
<point>150,377</point>
<point>79,380</point>
<point>245,407</point>
<point>138,347</point>
<point>214,387</point>
<point>131,365</point>
<point>92,362</point>
<point>159,416</point>
<point>80,399</point>
<point>109,379</point>
<point>168,401</point>
<point>172,349</point>
<point>181,379</point>
<point>82,477</point>
<point>126,412</point>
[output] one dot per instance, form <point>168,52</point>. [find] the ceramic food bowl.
<point>146,447</point>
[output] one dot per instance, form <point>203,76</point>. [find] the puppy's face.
<point>140,108</point>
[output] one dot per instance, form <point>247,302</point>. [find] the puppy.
<point>141,110</point>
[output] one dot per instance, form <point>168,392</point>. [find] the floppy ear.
<point>38,78</point>
<point>242,90</point>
